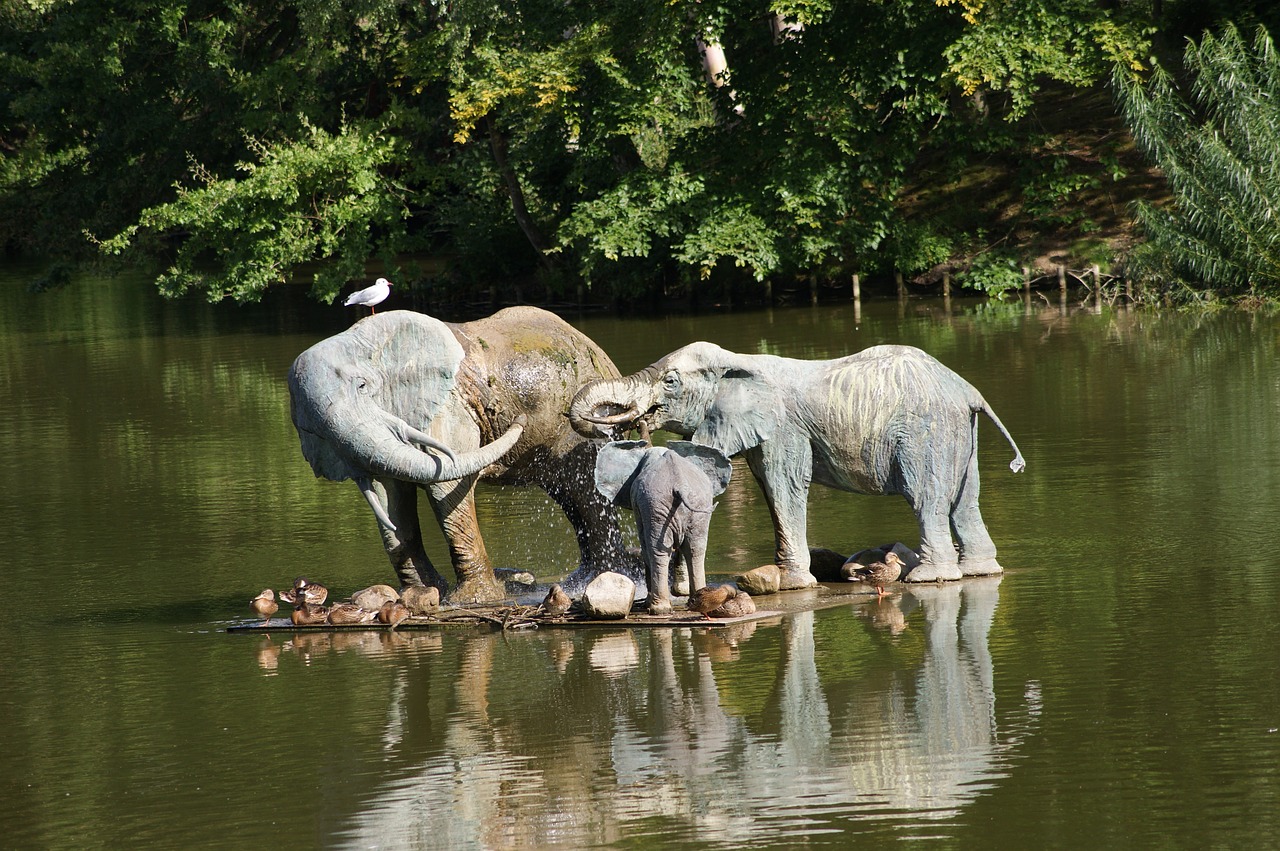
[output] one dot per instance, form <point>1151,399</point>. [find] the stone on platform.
<point>374,597</point>
<point>825,564</point>
<point>609,596</point>
<point>765,579</point>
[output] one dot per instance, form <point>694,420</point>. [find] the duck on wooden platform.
<point>265,605</point>
<point>308,615</point>
<point>877,573</point>
<point>349,613</point>
<point>556,603</point>
<point>721,601</point>
<point>304,590</point>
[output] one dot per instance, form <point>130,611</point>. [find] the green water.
<point>1119,686</point>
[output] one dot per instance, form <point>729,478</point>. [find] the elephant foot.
<point>660,607</point>
<point>480,588</point>
<point>932,571</point>
<point>980,566</point>
<point>796,578</point>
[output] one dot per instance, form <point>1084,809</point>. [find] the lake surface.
<point>1118,686</point>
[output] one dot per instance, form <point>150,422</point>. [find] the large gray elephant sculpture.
<point>890,419</point>
<point>402,401</point>
<point>672,490</point>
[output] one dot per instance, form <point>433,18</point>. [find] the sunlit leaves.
<point>316,200</point>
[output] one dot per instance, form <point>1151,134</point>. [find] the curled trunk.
<point>611,402</point>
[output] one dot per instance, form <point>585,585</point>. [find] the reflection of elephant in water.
<point>890,419</point>
<point>670,488</point>
<point>365,401</point>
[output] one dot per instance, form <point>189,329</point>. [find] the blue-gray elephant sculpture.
<point>672,490</point>
<point>888,420</point>
<point>401,402</point>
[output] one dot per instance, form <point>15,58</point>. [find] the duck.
<point>393,613</point>
<point>265,605</point>
<point>420,599</point>
<point>304,590</point>
<point>738,605</point>
<point>308,615</point>
<point>706,600</point>
<point>556,603</point>
<point>349,613</point>
<point>877,573</point>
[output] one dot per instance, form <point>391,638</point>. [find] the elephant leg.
<point>695,556</point>
<point>938,558</point>
<point>404,545</point>
<point>455,508</point>
<point>657,556</point>
<point>977,550</point>
<point>784,471</point>
<point>680,574</point>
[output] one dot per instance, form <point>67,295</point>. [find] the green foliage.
<point>1218,152</point>
<point>993,272</point>
<point>320,199</point>
<point>1013,47</point>
<point>247,144</point>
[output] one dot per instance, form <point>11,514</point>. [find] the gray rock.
<point>373,598</point>
<point>609,596</point>
<point>765,579</point>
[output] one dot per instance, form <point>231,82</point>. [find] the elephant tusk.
<point>629,415</point>
<point>366,488</point>
<point>409,434</point>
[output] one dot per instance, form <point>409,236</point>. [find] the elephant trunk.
<point>611,402</point>
<point>384,452</point>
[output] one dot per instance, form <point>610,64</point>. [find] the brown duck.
<point>393,613</point>
<point>877,573</point>
<point>739,604</point>
<point>308,615</point>
<point>349,613</point>
<point>304,590</point>
<point>265,605</point>
<point>707,600</point>
<point>556,603</point>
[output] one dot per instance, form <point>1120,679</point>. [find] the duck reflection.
<point>878,710</point>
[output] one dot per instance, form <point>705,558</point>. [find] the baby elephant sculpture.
<point>670,488</point>
<point>890,419</point>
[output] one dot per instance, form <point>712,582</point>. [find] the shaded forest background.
<point>627,153</point>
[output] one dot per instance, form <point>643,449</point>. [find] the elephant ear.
<point>711,461</point>
<point>745,413</point>
<point>419,358</point>
<point>616,466</point>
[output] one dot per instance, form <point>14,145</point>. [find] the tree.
<point>1217,150</point>
<point>251,144</point>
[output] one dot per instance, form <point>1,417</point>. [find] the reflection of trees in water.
<point>589,737</point>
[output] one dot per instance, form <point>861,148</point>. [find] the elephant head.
<point>618,463</point>
<point>701,391</point>
<point>362,401</point>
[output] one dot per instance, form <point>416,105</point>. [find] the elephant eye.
<point>671,381</point>
<point>362,385</point>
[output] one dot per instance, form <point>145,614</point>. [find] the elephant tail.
<point>1018,464</point>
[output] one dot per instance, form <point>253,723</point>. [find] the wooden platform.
<point>509,617</point>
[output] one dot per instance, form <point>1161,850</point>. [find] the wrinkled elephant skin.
<point>888,420</point>
<point>401,402</point>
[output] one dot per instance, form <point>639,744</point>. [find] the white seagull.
<point>375,294</point>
